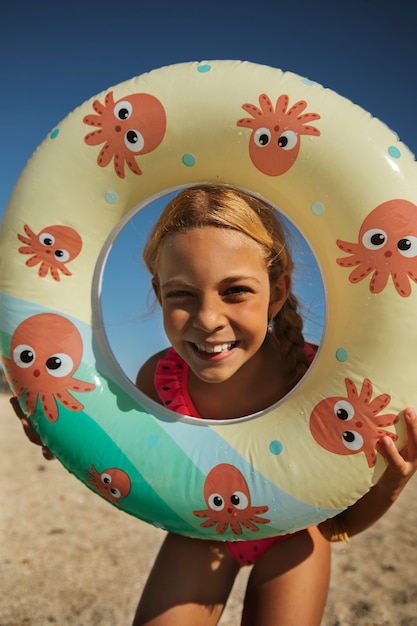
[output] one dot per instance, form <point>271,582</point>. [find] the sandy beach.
<point>71,559</point>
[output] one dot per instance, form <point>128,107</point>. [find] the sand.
<point>71,559</point>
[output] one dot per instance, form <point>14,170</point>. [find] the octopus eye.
<point>374,239</point>
<point>134,140</point>
<point>239,500</point>
<point>47,239</point>
<point>105,478</point>
<point>408,246</point>
<point>24,355</point>
<point>115,492</point>
<point>343,410</point>
<point>262,137</point>
<point>352,440</point>
<point>123,110</point>
<point>62,255</point>
<point>215,502</point>
<point>288,140</point>
<point>59,365</point>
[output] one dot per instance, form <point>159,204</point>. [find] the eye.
<point>47,239</point>
<point>59,365</point>
<point>237,290</point>
<point>288,140</point>
<point>374,238</point>
<point>134,140</point>
<point>179,294</point>
<point>262,137</point>
<point>216,502</point>
<point>105,478</point>
<point>344,410</point>
<point>239,500</point>
<point>352,440</point>
<point>24,355</point>
<point>62,255</point>
<point>123,110</point>
<point>408,246</point>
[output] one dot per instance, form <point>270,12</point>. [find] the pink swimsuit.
<point>171,383</point>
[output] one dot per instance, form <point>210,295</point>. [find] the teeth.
<point>221,347</point>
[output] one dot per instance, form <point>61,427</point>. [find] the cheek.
<point>174,320</point>
<point>255,316</point>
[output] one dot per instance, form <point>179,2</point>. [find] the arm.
<point>401,466</point>
<point>145,376</point>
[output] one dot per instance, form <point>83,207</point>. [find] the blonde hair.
<point>227,207</point>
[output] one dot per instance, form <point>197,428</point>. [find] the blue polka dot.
<point>318,208</point>
<point>54,133</point>
<point>153,441</point>
<point>203,68</point>
<point>307,81</point>
<point>394,152</point>
<point>342,354</point>
<point>111,197</point>
<point>188,160</point>
<point>275,447</point>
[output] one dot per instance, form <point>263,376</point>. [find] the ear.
<point>156,289</point>
<point>280,290</point>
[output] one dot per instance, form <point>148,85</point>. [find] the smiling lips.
<point>215,349</point>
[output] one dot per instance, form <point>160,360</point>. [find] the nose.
<point>209,315</point>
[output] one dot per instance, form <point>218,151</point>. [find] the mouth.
<point>218,348</point>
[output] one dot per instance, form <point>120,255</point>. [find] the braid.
<point>288,327</point>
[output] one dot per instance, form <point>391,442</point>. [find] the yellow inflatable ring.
<point>343,179</point>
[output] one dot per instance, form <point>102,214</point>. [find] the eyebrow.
<point>240,278</point>
<point>229,280</point>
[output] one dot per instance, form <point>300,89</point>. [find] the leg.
<point>289,583</point>
<point>189,584</point>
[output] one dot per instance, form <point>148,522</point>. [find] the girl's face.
<point>216,298</point>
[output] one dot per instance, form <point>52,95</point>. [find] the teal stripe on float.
<point>86,444</point>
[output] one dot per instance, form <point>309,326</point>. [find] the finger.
<point>389,451</point>
<point>30,433</point>
<point>33,437</point>
<point>410,418</point>
<point>47,454</point>
<point>16,407</point>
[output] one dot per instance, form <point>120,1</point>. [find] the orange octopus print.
<point>386,247</point>
<point>228,501</point>
<point>51,249</point>
<point>45,351</point>
<point>129,127</point>
<point>351,424</point>
<point>113,483</point>
<point>276,131</point>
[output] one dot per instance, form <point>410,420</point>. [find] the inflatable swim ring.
<point>350,187</point>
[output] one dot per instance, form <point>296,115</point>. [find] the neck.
<point>254,387</point>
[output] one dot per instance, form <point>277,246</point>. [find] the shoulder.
<point>146,373</point>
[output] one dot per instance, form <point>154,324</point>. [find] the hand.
<point>30,432</point>
<point>402,464</point>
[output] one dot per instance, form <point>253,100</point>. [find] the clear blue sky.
<point>56,55</point>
